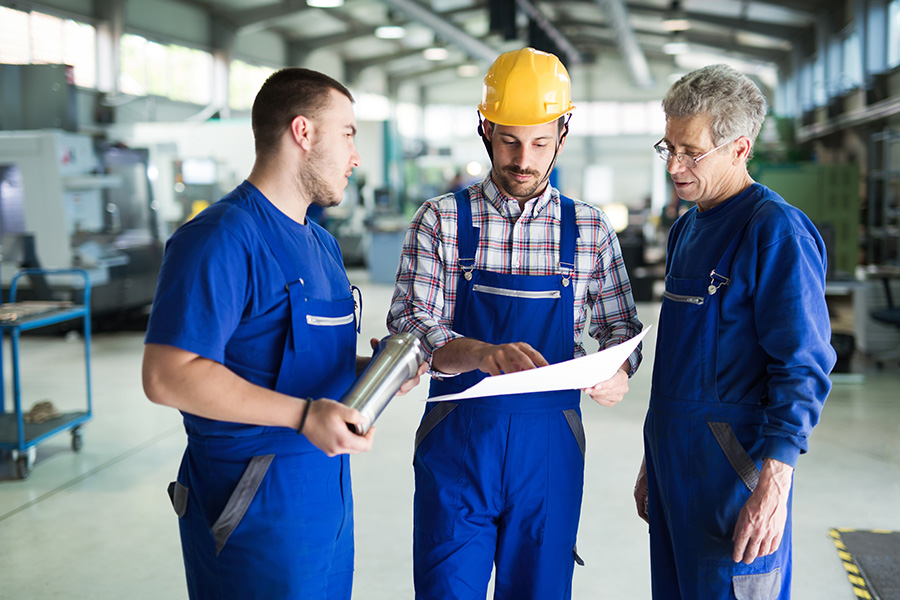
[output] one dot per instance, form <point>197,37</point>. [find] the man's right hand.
<point>640,492</point>
<point>509,358</point>
<point>462,355</point>
<point>326,427</point>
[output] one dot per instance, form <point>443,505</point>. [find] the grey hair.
<point>734,104</point>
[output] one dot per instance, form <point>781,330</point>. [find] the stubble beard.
<point>516,189</point>
<point>314,183</point>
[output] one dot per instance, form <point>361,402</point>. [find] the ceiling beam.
<point>447,31</point>
<point>631,52</point>
<point>332,39</point>
<point>572,56</point>
<point>353,68</point>
<point>263,17</point>
<point>396,79</point>
<point>781,32</point>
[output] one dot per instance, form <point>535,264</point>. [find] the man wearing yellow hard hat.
<point>497,278</point>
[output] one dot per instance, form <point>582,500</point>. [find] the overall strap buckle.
<point>716,281</point>
<point>467,265</point>
<point>566,270</point>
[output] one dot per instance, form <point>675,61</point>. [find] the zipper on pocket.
<point>682,298</point>
<point>486,289</point>
<point>329,321</point>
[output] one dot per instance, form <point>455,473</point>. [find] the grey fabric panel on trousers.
<point>737,456</point>
<point>240,499</point>
<point>430,420</point>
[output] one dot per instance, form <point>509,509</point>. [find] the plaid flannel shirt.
<point>519,242</point>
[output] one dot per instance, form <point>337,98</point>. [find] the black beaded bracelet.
<point>309,402</point>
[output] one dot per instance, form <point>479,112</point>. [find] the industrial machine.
<point>67,201</point>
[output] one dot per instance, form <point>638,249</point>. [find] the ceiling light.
<point>324,3</point>
<point>675,18</point>
<point>436,53</point>
<point>675,47</point>
<point>468,70</point>
<point>390,32</point>
<point>675,24</point>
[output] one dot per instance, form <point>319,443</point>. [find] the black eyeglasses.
<point>685,159</point>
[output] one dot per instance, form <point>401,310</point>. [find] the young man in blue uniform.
<point>252,336</point>
<point>498,278</point>
<point>742,358</point>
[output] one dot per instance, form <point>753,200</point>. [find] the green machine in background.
<point>830,197</point>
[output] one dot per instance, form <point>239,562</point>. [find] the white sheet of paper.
<point>575,374</point>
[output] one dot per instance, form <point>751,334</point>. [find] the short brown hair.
<point>286,94</point>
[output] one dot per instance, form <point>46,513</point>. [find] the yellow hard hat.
<point>526,87</point>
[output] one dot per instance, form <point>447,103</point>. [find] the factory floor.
<point>99,524</point>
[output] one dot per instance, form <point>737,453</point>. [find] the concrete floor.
<point>99,524</point>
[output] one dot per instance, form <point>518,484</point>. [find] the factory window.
<point>894,33</point>
<point>447,122</point>
<point>169,70</point>
<point>851,60</point>
<point>409,120</point>
<point>244,81</point>
<point>38,38</point>
<point>618,118</point>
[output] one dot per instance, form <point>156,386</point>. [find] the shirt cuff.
<point>782,449</point>
<point>433,341</point>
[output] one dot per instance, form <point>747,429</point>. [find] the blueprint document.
<point>578,373</point>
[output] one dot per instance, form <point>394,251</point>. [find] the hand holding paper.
<point>578,373</point>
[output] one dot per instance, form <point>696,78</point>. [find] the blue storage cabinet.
<point>16,318</point>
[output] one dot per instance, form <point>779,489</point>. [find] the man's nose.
<point>673,165</point>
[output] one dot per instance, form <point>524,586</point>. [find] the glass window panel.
<point>656,118</point>
<point>190,71</point>
<point>14,41</point>
<point>244,82</point>
<point>172,71</point>
<point>633,118</point>
<point>894,33</point>
<point>439,122</point>
<point>133,75</point>
<point>605,118</point>
<point>80,51</point>
<point>157,66</point>
<point>819,95</point>
<point>46,38</point>
<point>852,62</point>
<point>409,116</point>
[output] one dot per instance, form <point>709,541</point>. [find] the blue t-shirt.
<point>774,342</point>
<point>221,292</point>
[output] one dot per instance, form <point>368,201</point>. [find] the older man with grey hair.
<point>742,357</point>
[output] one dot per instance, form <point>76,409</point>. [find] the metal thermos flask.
<point>396,359</point>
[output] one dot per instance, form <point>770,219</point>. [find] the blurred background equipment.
<point>66,202</point>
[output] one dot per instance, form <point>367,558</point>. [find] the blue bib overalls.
<point>270,515</point>
<point>703,454</point>
<point>500,479</point>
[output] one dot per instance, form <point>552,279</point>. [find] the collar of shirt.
<point>509,207</point>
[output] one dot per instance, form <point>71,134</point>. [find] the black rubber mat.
<point>872,561</point>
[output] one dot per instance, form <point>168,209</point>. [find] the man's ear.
<point>301,132</point>
<point>742,147</point>
<point>487,130</point>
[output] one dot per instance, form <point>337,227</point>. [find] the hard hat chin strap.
<point>490,149</point>
<point>484,138</point>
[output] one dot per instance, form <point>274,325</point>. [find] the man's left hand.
<point>760,524</point>
<point>611,391</point>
